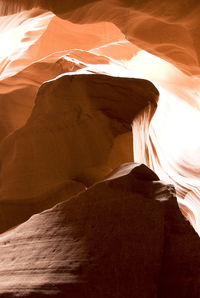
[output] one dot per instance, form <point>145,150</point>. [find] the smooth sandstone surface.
<point>123,237</point>
<point>80,129</point>
<point>68,122</point>
<point>39,34</point>
<point>168,29</point>
<point>120,30</point>
<point>18,92</point>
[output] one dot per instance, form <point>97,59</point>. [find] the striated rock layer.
<point>78,132</point>
<point>123,237</point>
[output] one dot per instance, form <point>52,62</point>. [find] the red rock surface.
<point>168,30</point>
<point>18,92</point>
<point>123,237</point>
<point>78,132</point>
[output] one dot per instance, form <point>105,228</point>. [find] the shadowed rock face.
<point>123,237</point>
<point>78,132</point>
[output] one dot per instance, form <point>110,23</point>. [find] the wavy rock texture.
<point>40,34</point>
<point>19,32</point>
<point>175,122</point>
<point>123,237</point>
<point>168,30</point>
<point>78,132</point>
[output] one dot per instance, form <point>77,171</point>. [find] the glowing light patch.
<point>12,40</point>
<point>174,129</point>
<point>17,33</point>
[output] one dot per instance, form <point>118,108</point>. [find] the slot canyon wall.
<point>100,149</point>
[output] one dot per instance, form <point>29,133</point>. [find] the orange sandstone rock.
<point>79,131</point>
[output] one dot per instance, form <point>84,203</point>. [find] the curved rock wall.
<point>167,29</point>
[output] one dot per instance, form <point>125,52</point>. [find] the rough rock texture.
<point>78,132</point>
<point>123,237</point>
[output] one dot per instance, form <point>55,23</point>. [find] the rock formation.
<point>79,89</point>
<point>78,132</point>
<point>168,29</point>
<point>123,237</point>
<point>118,29</point>
<point>18,92</point>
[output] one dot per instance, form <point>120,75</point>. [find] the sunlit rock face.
<point>123,237</point>
<point>167,29</point>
